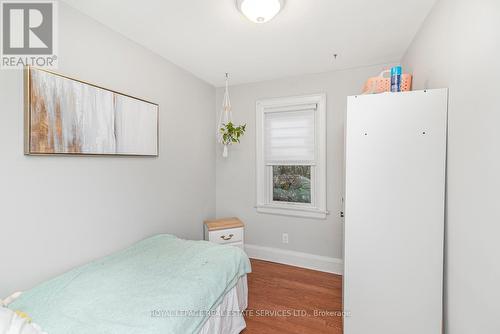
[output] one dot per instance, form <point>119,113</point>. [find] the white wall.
<point>458,47</point>
<point>59,212</point>
<point>236,185</point>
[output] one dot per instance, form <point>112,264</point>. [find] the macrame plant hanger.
<point>225,117</point>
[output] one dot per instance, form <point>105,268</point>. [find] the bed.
<point>160,285</point>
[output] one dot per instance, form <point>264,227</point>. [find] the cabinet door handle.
<point>229,237</point>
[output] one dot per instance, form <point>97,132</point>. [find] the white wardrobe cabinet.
<point>394,215</point>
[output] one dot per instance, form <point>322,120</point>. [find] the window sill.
<point>292,211</point>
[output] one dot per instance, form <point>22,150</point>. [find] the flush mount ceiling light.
<point>260,11</point>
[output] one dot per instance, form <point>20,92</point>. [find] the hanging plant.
<point>231,134</point>
<point>227,132</point>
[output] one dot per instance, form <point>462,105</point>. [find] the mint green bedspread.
<point>151,287</point>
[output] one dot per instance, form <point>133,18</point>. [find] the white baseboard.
<point>297,259</point>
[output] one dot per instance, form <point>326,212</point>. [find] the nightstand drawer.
<point>237,244</point>
<point>226,236</point>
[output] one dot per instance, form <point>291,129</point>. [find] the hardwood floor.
<point>286,300</point>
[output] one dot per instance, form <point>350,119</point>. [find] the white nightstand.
<point>226,231</point>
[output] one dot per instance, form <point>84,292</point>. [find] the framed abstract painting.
<point>64,116</point>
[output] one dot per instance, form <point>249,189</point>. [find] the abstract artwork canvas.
<point>68,116</point>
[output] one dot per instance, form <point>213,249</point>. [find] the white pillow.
<point>11,323</point>
<point>9,300</point>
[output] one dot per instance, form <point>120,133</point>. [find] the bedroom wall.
<point>458,48</point>
<point>236,184</point>
<point>60,212</point>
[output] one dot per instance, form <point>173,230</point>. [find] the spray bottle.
<point>396,73</point>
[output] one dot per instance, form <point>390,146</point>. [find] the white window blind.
<point>289,135</point>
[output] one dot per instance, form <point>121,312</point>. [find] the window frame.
<point>265,203</point>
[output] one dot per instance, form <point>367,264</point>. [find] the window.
<point>291,150</point>
<point>292,184</point>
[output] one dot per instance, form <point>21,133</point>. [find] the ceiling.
<point>211,37</point>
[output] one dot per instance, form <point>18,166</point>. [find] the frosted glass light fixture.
<point>260,11</point>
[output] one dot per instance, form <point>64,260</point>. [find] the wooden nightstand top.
<point>223,223</point>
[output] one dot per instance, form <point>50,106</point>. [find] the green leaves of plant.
<point>232,134</point>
